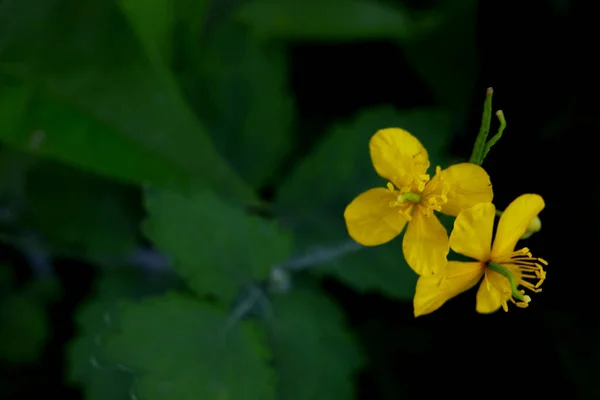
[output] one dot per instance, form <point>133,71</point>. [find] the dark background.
<point>534,55</point>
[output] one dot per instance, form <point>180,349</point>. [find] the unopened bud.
<point>534,226</point>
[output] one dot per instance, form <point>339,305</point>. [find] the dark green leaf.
<point>338,20</point>
<point>17,18</point>
<point>98,379</point>
<point>102,84</point>
<point>312,200</point>
<point>315,354</point>
<point>446,56</point>
<point>24,329</point>
<point>25,321</point>
<point>184,349</point>
<point>246,100</point>
<point>80,213</point>
<point>88,367</point>
<point>35,122</point>
<point>216,247</point>
<point>13,169</point>
<point>193,16</point>
<point>153,23</point>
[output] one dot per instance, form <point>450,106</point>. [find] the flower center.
<point>409,197</point>
<point>521,269</point>
<point>404,201</point>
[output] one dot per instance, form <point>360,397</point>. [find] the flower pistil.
<point>520,269</point>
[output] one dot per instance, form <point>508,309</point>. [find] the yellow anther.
<point>521,304</point>
<point>522,271</point>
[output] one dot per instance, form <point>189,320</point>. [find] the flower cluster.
<point>464,190</point>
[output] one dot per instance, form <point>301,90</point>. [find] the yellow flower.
<point>379,215</point>
<point>503,269</point>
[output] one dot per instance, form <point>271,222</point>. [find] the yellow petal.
<point>472,233</point>
<point>433,291</point>
<point>398,156</point>
<point>370,219</point>
<point>467,184</point>
<point>425,244</point>
<point>513,223</point>
<point>493,292</point>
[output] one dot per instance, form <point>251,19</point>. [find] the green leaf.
<point>184,349</point>
<point>35,122</point>
<point>192,16</point>
<point>314,353</point>
<point>81,214</point>
<point>25,328</point>
<point>153,23</point>
<point>109,81</point>
<point>17,18</point>
<point>337,20</point>
<point>72,213</point>
<point>13,169</point>
<point>451,44</point>
<point>88,367</point>
<point>249,106</point>
<point>215,246</point>
<point>312,200</point>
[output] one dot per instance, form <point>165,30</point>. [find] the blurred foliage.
<point>88,367</point>
<point>229,258</point>
<point>23,312</point>
<point>242,93</point>
<point>317,20</point>
<point>161,145</point>
<point>307,329</point>
<point>190,350</point>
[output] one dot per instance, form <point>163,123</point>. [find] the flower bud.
<point>534,226</point>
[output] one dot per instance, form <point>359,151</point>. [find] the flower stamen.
<point>508,275</point>
<point>520,269</point>
<point>402,200</point>
<point>436,200</point>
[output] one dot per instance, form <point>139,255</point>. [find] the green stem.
<point>506,273</point>
<point>486,120</point>
<point>497,136</point>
